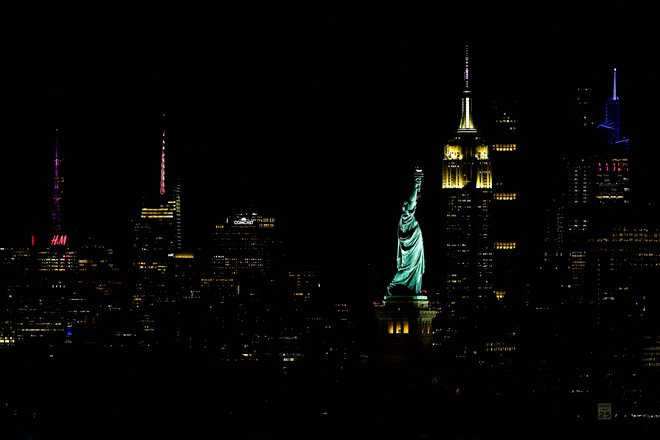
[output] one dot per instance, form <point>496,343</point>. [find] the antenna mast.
<point>57,191</point>
<point>162,164</point>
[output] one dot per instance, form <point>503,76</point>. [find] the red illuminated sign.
<point>58,240</point>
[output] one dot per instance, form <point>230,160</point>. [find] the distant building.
<point>15,283</point>
<point>48,309</point>
<point>240,282</point>
<point>101,289</point>
<point>509,203</point>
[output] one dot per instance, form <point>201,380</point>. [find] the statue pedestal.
<point>405,329</point>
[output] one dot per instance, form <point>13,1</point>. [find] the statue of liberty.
<point>410,252</point>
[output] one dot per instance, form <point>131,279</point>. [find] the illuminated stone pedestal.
<point>404,329</point>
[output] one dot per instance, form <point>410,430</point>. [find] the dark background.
<point>315,115</point>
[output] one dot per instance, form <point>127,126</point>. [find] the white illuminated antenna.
<point>466,74</point>
<point>466,123</point>
<point>162,163</point>
<point>614,88</point>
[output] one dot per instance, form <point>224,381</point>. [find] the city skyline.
<point>276,124</point>
<point>144,309</point>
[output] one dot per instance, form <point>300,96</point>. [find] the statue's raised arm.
<point>410,252</point>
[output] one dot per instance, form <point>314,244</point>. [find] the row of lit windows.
<point>626,238</point>
<point>153,216</point>
<point>504,147</point>
<point>402,327</point>
<point>505,245</point>
<point>150,266</point>
<point>499,346</point>
<point>500,349</point>
<point>505,196</point>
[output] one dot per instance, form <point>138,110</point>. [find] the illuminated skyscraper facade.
<point>15,282</point>
<point>508,198</point>
<point>157,238</point>
<point>467,194</point>
<point>612,179</point>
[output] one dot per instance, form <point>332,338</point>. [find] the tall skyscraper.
<point>596,192</point>
<point>157,238</point>
<point>467,195</point>
<point>508,215</point>
<point>48,310</point>
<point>612,180</point>
<point>600,256</point>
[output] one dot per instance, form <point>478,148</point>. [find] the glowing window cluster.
<point>505,245</point>
<point>453,152</point>
<point>504,147</point>
<point>509,122</point>
<point>499,347</point>
<point>398,327</point>
<point>651,352</point>
<point>484,176</point>
<point>481,152</point>
<point>506,196</point>
<point>6,341</point>
<point>452,176</point>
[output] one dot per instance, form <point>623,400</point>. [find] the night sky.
<point>313,115</point>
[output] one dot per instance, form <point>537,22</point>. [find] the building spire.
<point>612,123</point>
<point>57,190</point>
<point>466,104</point>
<point>162,163</point>
<point>466,74</point>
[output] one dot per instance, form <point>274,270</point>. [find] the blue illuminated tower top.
<point>612,179</point>
<point>612,124</point>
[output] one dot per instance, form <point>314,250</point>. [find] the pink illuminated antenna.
<point>57,191</point>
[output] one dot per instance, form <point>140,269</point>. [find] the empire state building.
<point>467,195</point>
